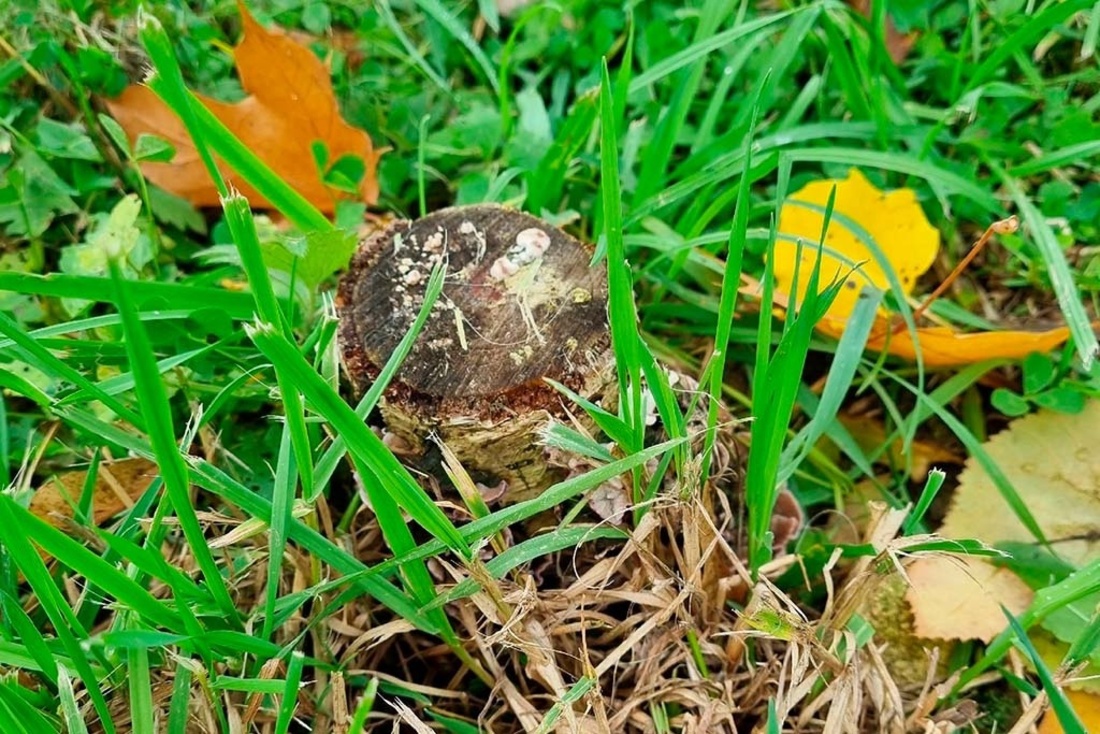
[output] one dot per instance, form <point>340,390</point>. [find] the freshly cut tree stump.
<point>520,304</point>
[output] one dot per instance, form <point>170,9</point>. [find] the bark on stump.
<point>520,304</point>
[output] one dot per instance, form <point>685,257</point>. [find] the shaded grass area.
<point>667,136</point>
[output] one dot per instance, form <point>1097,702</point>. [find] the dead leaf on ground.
<point>1087,706</point>
<point>118,485</point>
<point>291,104</point>
<point>960,598</point>
<point>941,346</point>
<point>896,224</point>
<point>898,44</point>
<point>870,433</point>
<point>1051,460</point>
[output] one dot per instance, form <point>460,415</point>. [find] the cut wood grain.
<point>521,303</point>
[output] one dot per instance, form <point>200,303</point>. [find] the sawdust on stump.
<point>520,304</point>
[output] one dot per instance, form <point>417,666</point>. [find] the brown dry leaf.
<point>118,485</point>
<point>960,598</point>
<point>1051,460</point>
<point>290,105</point>
<point>869,432</point>
<point>898,44</point>
<point>1087,706</point>
<point>896,224</point>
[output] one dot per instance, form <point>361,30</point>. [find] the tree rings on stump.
<point>520,304</point>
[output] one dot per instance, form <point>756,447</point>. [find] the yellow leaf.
<point>896,224</point>
<point>944,347</point>
<point>291,104</point>
<point>1051,460</point>
<point>1087,706</point>
<point>893,220</point>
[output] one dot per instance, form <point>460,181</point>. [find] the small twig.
<point>1004,226</point>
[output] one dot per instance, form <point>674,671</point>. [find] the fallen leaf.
<point>907,656</point>
<point>870,433</point>
<point>118,485</point>
<point>291,105</point>
<point>944,347</point>
<point>1052,651</point>
<point>893,220</point>
<point>896,224</point>
<point>1051,460</point>
<point>898,44</point>
<point>609,501</point>
<point>1087,706</point>
<point>787,519</point>
<point>960,597</point>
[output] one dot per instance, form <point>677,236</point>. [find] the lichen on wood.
<point>521,303</point>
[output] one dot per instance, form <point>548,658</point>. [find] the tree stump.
<point>520,304</point>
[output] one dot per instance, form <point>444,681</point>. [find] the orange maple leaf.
<point>291,104</point>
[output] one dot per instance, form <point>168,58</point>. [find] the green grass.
<point>665,134</point>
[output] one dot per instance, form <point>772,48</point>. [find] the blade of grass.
<point>699,49</point>
<point>417,58</point>
<point>776,380</point>
<point>614,426</point>
<point>415,575</point>
<point>451,24</point>
<point>211,136</point>
<point>282,500</point>
<point>1029,33</point>
<point>243,229</point>
<point>89,288</point>
<point>329,460</point>
<point>153,399</point>
<point>1061,277</point>
<point>658,153</point>
<point>290,693</point>
<point>783,54</point>
<point>34,353</point>
<point>66,626</point>
<point>545,185</point>
<point>952,183</point>
<point>141,690</point>
<point>365,706</point>
<point>180,701</point>
<point>19,714</point>
<point>932,486</point>
<point>731,282</point>
<point>70,710</point>
<point>1063,709</point>
<point>621,309</point>
<point>525,552</point>
<point>495,523</point>
<point>81,560</point>
<point>842,372</point>
<point>1067,156</point>
<point>31,637</point>
<point>379,463</point>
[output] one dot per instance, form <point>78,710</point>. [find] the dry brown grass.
<point>667,628</point>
